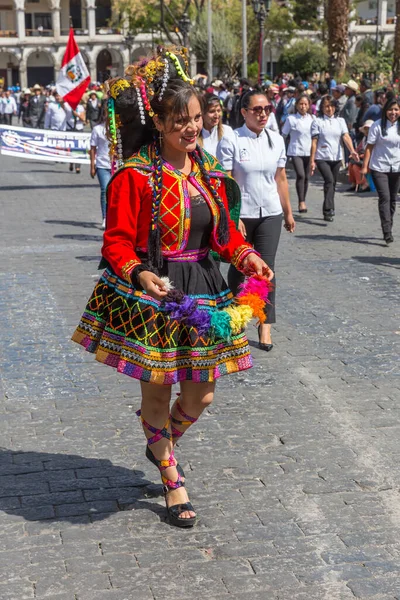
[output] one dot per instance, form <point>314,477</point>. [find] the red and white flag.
<point>74,77</point>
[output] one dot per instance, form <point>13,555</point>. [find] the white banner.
<point>45,144</point>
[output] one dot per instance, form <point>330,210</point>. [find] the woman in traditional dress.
<point>167,208</point>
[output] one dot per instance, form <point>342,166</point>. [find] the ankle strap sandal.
<point>176,510</point>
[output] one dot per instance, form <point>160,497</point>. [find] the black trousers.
<point>8,119</point>
<point>329,170</point>
<point>301,166</point>
<point>264,234</point>
<point>387,185</point>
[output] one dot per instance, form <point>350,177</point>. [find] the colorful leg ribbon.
<point>186,422</point>
<point>162,465</point>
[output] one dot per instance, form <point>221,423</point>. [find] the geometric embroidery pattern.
<point>128,330</point>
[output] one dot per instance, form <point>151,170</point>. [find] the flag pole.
<point>209,43</point>
<point>71,26</point>
<point>244,39</point>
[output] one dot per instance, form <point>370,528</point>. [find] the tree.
<point>305,14</point>
<point>360,63</point>
<point>304,56</point>
<point>279,26</point>
<point>396,55</point>
<point>338,13</point>
<point>227,51</point>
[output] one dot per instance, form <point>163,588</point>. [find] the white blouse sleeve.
<point>282,154</point>
<point>343,126</point>
<point>373,132</point>
<point>315,128</point>
<point>226,152</point>
<point>286,127</point>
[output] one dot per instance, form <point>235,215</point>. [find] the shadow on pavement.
<point>79,236</point>
<point>12,188</point>
<point>39,486</point>
<point>384,261</point>
<point>85,224</point>
<point>310,221</point>
<point>342,238</point>
<point>88,258</point>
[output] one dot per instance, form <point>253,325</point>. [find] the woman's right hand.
<point>312,167</point>
<point>364,170</point>
<point>152,285</point>
<point>242,228</point>
<point>93,172</point>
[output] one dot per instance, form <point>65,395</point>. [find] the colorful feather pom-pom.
<point>256,305</point>
<point>221,324</point>
<point>240,315</point>
<point>200,319</point>
<point>181,311</point>
<point>174,296</point>
<point>255,285</point>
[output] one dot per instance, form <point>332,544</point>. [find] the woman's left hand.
<point>290,224</point>
<point>355,155</point>
<point>254,265</point>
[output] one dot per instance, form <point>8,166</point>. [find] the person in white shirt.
<point>75,122</point>
<point>382,155</point>
<point>100,163</point>
<point>272,123</point>
<point>56,114</point>
<point>213,129</point>
<point>328,132</point>
<point>298,128</point>
<point>8,108</point>
<point>256,158</point>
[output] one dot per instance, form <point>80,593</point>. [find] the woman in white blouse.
<point>256,158</point>
<point>327,132</point>
<point>298,128</point>
<point>382,155</point>
<point>213,129</point>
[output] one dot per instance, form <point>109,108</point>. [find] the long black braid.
<point>155,258</point>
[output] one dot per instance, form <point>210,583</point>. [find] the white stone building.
<point>34,34</point>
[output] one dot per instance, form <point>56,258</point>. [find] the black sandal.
<point>175,510</point>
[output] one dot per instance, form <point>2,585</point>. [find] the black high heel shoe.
<point>262,346</point>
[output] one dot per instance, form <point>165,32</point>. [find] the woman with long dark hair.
<point>162,312</point>
<point>298,128</point>
<point>213,128</point>
<point>382,156</point>
<point>256,158</point>
<point>328,132</point>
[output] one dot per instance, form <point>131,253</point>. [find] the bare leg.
<point>265,333</point>
<point>194,398</point>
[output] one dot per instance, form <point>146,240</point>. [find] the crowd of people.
<point>42,107</point>
<point>326,126</point>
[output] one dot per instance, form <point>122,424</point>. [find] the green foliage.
<point>279,26</point>
<point>305,14</point>
<point>252,71</point>
<point>304,56</point>
<point>226,44</point>
<point>361,62</point>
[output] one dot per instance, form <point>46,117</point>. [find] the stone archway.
<point>109,63</point>
<point>9,68</point>
<point>40,67</point>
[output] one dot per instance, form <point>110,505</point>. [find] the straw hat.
<point>352,85</point>
<point>364,129</point>
<point>37,87</point>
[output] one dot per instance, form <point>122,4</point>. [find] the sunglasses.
<point>258,110</point>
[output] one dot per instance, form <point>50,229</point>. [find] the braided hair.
<point>167,95</point>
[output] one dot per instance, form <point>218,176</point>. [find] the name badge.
<point>244,155</point>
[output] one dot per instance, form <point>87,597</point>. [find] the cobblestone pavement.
<point>294,470</point>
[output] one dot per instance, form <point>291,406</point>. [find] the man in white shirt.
<point>100,164</point>
<point>8,108</point>
<point>56,114</point>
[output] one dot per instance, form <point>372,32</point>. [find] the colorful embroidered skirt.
<point>130,331</point>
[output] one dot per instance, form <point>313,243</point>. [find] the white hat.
<point>27,91</point>
<point>366,126</point>
<point>37,87</point>
<point>352,85</point>
<point>217,83</point>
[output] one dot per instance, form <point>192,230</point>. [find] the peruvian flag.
<point>74,77</point>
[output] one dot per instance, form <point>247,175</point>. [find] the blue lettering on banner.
<point>45,144</point>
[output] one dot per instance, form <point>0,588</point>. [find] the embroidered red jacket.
<point>129,201</point>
